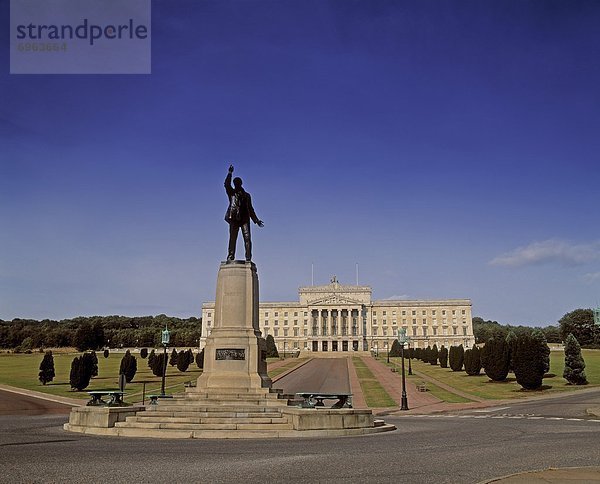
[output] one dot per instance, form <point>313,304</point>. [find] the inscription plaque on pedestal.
<point>230,354</point>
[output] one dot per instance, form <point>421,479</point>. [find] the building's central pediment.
<point>335,300</point>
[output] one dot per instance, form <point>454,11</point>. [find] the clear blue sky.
<point>451,148</point>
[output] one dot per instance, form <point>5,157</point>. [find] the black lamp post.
<point>388,350</point>
<point>166,336</point>
<point>409,355</point>
<point>402,339</point>
<point>284,345</point>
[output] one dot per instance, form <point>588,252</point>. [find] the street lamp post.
<point>166,336</point>
<point>388,350</point>
<point>284,345</point>
<point>409,355</point>
<point>402,339</point>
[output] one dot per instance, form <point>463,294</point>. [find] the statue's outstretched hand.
<point>260,223</point>
<point>230,168</point>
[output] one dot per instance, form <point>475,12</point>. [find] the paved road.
<point>17,404</point>
<point>328,375</point>
<point>423,450</point>
<point>566,406</point>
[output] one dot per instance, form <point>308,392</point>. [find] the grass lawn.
<point>375,395</point>
<point>21,370</point>
<point>481,385</point>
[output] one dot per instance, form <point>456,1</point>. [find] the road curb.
<point>44,396</point>
<point>544,474</point>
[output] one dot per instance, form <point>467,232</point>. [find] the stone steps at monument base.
<point>216,414</point>
<point>207,420</point>
<point>212,407</point>
<point>227,396</point>
<point>224,403</point>
<point>206,426</point>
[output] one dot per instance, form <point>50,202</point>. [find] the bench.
<point>154,398</point>
<point>422,387</point>
<point>116,398</point>
<point>315,400</point>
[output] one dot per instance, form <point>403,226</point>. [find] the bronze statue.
<point>238,215</point>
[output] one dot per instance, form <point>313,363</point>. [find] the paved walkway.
<point>562,475</point>
<point>358,398</point>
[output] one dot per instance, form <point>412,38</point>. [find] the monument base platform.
<point>230,414</point>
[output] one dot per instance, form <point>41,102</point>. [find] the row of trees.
<point>527,355</point>
<point>84,367</point>
<point>579,323</point>
<point>96,332</point>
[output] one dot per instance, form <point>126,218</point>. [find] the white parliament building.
<point>338,317</point>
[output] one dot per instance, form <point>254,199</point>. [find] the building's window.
<point>266,322</point>
<point>414,331</point>
<point>305,332</point>
<point>295,331</point>
<point>305,313</point>
<point>403,320</point>
<point>266,314</point>
<point>464,331</point>
<point>454,312</point>
<point>414,313</point>
<point>434,331</point>
<point>464,312</point>
<point>276,314</point>
<point>414,320</point>
<point>443,312</point>
<point>424,320</point>
<point>424,331</point>
<point>403,313</point>
<point>285,314</point>
<point>394,322</point>
<point>374,313</point>
<point>424,312</point>
<point>295,322</point>
<point>306,345</point>
<point>285,332</point>
<point>276,322</point>
<point>208,323</point>
<point>384,331</point>
<point>374,321</point>
<point>295,314</point>
<point>374,331</point>
<point>433,312</point>
<point>445,321</point>
<point>434,321</point>
<point>275,332</point>
<point>464,321</point>
<point>209,314</point>
<point>385,322</point>
<point>385,313</point>
<point>285,322</point>
<point>305,322</point>
<point>266,332</point>
<point>445,331</point>
<point>454,320</point>
<point>393,313</point>
<point>453,330</point>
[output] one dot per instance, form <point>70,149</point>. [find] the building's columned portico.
<point>337,317</point>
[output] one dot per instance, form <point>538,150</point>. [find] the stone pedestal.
<point>235,352</point>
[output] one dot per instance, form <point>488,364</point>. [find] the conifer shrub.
<point>271,347</point>
<point>433,355</point>
<point>94,359</point>
<point>106,353</point>
<point>531,359</point>
<point>158,364</point>
<point>151,359</point>
<point>443,356</point>
<point>472,361</point>
<point>47,373</point>
<point>173,359</point>
<point>396,350</point>
<point>574,371</point>
<point>144,353</point>
<point>458,352</point>
<point>184,359</point>
<point>495,358</point>
<point>200,359</point>
<point>128,366</point>
<point>81,372</point>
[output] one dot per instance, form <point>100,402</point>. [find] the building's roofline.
<point>377,302</point>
